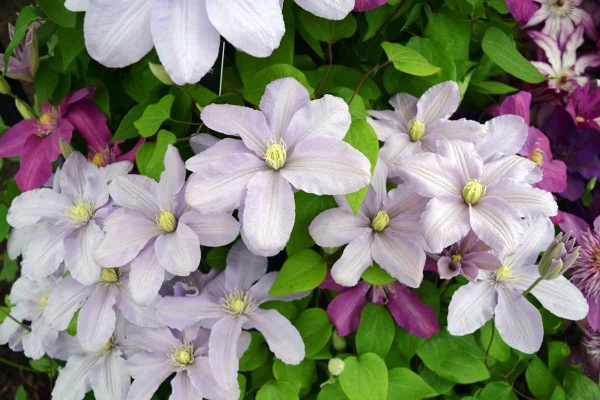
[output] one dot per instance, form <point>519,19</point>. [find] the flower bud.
<point>329,250</point>
<point>558,257</point>
<point>336,366</point>
<point>4,86</point>
<point>65,148</point>
<point>339,342</point>
<point>161,74</point>
<point>24,109</point>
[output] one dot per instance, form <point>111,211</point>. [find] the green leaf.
<point>57,12</point>
<point>256,355</point>
<point>578,387</point>
<point>302,271</point>
<point>539,379</point>
<point>376,275</point>
<point>217,257</point>
<point>277,391</point>
<point>492,87</point>
<point>456,358</point>
<point>365,377</point>
<point>9,269</point>
<point>325,30</point>
<point>299,376</point>
<point>154,115</point>
<point>453,33</point>
<point>71,43</point>
<point>4,226</point>
<point>126,129</point>
<point>26,16</point>
<point>21,394</point>
<point>405,384</point>
<point>502,50</point>
<point>408,60</point>
<point>558,352</point>
<point>46,81</point>
<point>497,391</point>
<point>439,384</point>
<point>332,392</point>
<point>150,156</point>
<point>376,331</point>
<point>308,206</point>
<point>315,328</point>
<point>498,349</point>
<point>44,364</point>
<point>406,343</point>
<point>362,137</point>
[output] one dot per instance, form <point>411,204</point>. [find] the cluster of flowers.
<point>122,251</point>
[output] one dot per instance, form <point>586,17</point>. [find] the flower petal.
<point>137,192</point>
<point>445,221</point>
<point>518,321</point>
<point>411,313</point>
<point>64,301</point>
<point>213,230</point>
<point>355,259</point>
<point>337,227</point>
<point>505,135</point>
<point>12,141</point>
<point>146,276</point>
<point>181,312</point>
<point>147,383</point>
<point>400,256</point>
<point>221,150</point>
<point>222,346</point>
<point>430,175</point>
<point>282,99</point>
<point>110,379</point>
<point>179,251</point>
<point>529,202</point>
<point>243,268</point>
<point>97,319</point>
<point>496,223</point>
<point>282,337</point>
<point>72,382</point>
<point>471,307</point>
<point>345,309</point>
<point>561,298</point>
<point>518,168</point>
<point>172,178</point>
<point>332,9</point>
<point>80,247</point>
<point>438,102</point>
<point>29,207</point>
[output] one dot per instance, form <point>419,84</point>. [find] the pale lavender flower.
<point>565,71</point>
<point>188,286</point>
<point>98,304</point>
<point>155,230</point>
<point>561,18</point>
<point>416,125</point>
<point>230,303</point>
<point>68,222</point>
<point>500,293</point>
<point>103,371</point>
<point>467,194</point>
<point>386,230</point>
<point>184,353</point>
<point>29,299</point>
<point>24,61</point>
<point>292,143</point>
<point>466,257</point>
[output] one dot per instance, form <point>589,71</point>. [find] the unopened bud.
<point>4,86</point>
<point>161,74</point>
<point>336,366</point>
<point>330,250</point>
<point>65,148</point>
<point>339,342</point>
<point>558,257</point>
<point>24,109</point>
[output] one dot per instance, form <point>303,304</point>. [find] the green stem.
<point>14,319</point>
<point>15,365</point>
<point>534,284</point>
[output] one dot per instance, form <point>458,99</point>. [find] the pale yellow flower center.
<point>537,157</point>
<point>456,258</point>
<point>47,118</point>
<point>166,221</point>
<point>416,129</point>
<point>380,221</point>
<point>473,191</point>
<point>503,274</point>
<point>276,154</point>
<point>99,159</point>
<point>81,211</point>
<point>108,345</point>
<point>182,356</point>
<point>44,300</point>
<point>109,275</point>
<point>238,302</point>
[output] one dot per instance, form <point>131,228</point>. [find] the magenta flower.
<point>466,257</point>
<point>522,10</point>
<point>24,61</point>
<point>408,310</point>
<point>36,140</point>
<point>584,106</point>
<point>366,5</point>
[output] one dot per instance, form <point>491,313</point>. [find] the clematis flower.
<point>24,61</point>
<point>521,10</point>
<point>466,257</point>
<point>156,231</point>
<point>36,141</point>
<point>408,310</point>
<point>584,106</point>
<point>561,18</point>
<point>184,353</point>
<point>385,230</point>
<point>29,299</point>
<point>366,5</point>
<point>500,293</point>
<point>467,194</point>
<point>67,223</point>
<point>98,303</point>
<point>230,303</point>
<point>577,148</point>
<point>121,32</point>
<point>565,71</point>
<point>416,125</point>
<point>104,371</point>
<point>292,142</point>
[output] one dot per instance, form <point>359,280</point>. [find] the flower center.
<point>238,302</point>
<point>380,221</point>
<point>81,211</point>
<point>562,8</point>
<point>47,122</point>
<point>579,119</point>
<point>109,275</point>
<point>44,300</point>
<point>99,159</point>
<point>416,129</point>
<point>182,356</point>
<point>166,221</point>
<point>473,191</point>
<point>503,274</point>
<point>276,154</point>
<point>108,345</point>
<point>456,258</point>
<point>536,157</point>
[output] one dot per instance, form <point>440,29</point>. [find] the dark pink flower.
<point>584,106</point>
<point>522,10</point>
<point>365,5</point>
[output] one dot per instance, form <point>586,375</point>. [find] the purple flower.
<point>408,310</point>
<point>564,69</point>
<point>561,18</point>
<point>466,257</point>
<point>577,148</point>
<point>29,299</point>
<point>366,5</point>
<point>522,10</point>
<point>24,61</point>
<point>66,224</point>
<point>104,371</point>
<point>500,293</point>
<point>584,106</point>
<point>386,230</point>
<point>156,231</point>
<point>292,142</point>
<point>36,141</point>
<point>164,352</point>
<point>98,304</point>
<point>467,194</point>
<point>230,303</point>
<point>416,125</point>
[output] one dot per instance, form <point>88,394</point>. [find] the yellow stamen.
<point>473,191</point>
<point>182,356</point>
<point>380,221</point>
<point>108,345</point>
<point>416,129</point>
<point>98,159</point>
<point>44,300</point>
<point>579,120</point>
<point>456,258</point>
<point>276,154</point>
<point>109,275</point>
<point>503,274</point>
<point>238,303</point>
<point>537,157</point>
<point>47,118</point>
<point>166,221</point>
<point>81,211</point>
